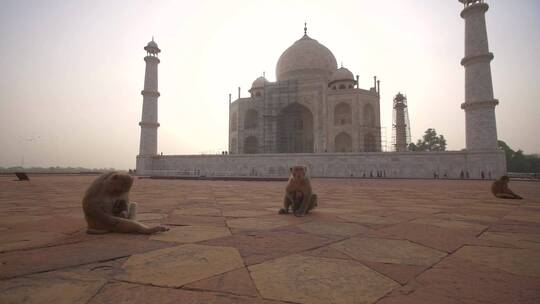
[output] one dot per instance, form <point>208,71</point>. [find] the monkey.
<point>500,189</point>
<point>298,193</point>
<point>107,208</point>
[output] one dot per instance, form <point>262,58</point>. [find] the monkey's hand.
<point>157,229</point>
<point>283,211</point>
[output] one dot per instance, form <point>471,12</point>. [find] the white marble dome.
<point>305,59</point>
<point>342,74</point>
<point>259,82</point>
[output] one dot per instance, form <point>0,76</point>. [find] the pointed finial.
<point>305,28</point>
<point>342,64</point>
<point>264,74</point>
<point>152,37</point>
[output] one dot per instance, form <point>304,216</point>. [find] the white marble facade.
<point>312,107</point>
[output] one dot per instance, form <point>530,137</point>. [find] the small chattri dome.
<point>342,74</point>
<point>259,82</point>
<point>152,47</point>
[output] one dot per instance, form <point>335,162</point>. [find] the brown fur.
<point>298,193</point>
<point>500,189</point>
<point>106,198</point>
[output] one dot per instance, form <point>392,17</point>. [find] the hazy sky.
<point>72,71</point>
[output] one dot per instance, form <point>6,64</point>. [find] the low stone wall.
<point>449,164</point>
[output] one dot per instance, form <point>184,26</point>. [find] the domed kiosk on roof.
<point>257,87</point>
<point>342,79</point>
<point>308,109</point>
<point>152,48</point>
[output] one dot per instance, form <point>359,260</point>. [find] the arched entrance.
<point>295,129</point>
<point>343,142</point>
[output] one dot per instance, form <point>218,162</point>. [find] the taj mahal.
<point>315,114</point>
<point>313,107</point>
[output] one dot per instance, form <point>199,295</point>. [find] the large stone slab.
<point>457,281</point>
<point>60,223</point>
<point>389,251</point>
<point>468,217</point>
<point>307,279</point>
<point>198,211</point>
<point>24,240</point>
<point>259,246</point>
<point>190,220</point>
<point>177,266</point>
<point>517,261</point>
<point>246,213</point>
<point>250,224</point>
<point>234,282</point>
<point>333,228</point>
<point>450,224</point>
<point>192,234</point>
<point>370,219</point>
<point>90,249</point>
<point>443,239</point>
<point>58,287</point>
<point>124,293</point>
<point>327,252</point>
<point>519,240</point>
<point>512,227</point>
<point>397,272</point>
<point>524,216</point>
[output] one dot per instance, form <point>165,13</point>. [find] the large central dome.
<point>305,59</point>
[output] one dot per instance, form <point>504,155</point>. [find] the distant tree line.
<point>56,169</point>
<point>517,161</point>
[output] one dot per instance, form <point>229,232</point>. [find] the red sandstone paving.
<point>397,272</point>
<point>456,280</point>
<point>434,237</point>
<point>22,262</point>
<point>123,293</point>
<point>257,247</point>
<point>188,220</point>
<point>51,205</point>
<point>236,282</point>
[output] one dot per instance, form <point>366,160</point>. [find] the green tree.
<point>429,142</point>
<point>517,161</point>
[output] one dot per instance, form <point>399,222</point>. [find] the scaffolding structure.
<point>401,130</point>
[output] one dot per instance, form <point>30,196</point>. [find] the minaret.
<point>400,125</point>
<point>149,121</point>
<point>479,105</point>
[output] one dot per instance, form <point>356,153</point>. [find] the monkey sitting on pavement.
<point>500,189</point>
<point>107,208</point>
<point>298,194</point>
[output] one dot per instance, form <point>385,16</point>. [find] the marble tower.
<point>149,121</point>
<point>479,105</point>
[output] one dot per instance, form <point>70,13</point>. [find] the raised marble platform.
<point>448,164</point>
